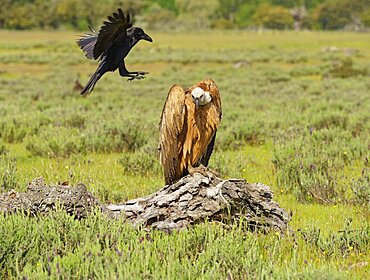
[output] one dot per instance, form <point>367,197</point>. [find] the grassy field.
<point>295,117</point>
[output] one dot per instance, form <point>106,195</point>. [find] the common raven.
<point>111,45</point>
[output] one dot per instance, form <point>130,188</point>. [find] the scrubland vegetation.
<point>190,14</point>
<point>295,117</point>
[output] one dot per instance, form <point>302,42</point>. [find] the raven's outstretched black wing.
<point>112,30</point>
<point>87,43</point>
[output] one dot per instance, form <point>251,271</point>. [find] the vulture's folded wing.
<point>213,119</point>
<point>113,29</point>
<point>205,157</point>
<point>170,130</point>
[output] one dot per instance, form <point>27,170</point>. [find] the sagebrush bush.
<point>361,189</point>
<point>345,242</point>
<point>15,131</point>
<point>312,165</point>
<point>345,69</point>
<point>3,149</point>
<point>8,171</point>
<point>140,163</point>
<point>56,142</point>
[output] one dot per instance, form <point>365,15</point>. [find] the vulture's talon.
<point>205,171</point>
<point>199,169</point>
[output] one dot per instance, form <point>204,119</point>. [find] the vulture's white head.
<point>200,97</point>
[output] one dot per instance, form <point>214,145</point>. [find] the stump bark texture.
<point>193,199</point>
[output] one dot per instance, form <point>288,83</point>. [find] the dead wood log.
<point>41,199</point>
<point>191,200</point>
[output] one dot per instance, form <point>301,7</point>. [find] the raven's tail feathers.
<point>91,83</point>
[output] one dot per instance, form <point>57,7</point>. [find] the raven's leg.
<point>132,75</point>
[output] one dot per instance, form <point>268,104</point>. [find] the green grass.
<point>97,248</point>
<point>295,117</point>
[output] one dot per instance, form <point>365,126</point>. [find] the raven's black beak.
<point>146,37</point>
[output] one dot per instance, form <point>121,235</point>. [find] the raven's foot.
<point>136,77</point>
<point>139,75</point>
<point>205,171</point>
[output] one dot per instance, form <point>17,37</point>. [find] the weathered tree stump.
<point>41,199</point>
<point>191,200</point>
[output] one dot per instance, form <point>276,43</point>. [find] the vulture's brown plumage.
<point>188,128</point>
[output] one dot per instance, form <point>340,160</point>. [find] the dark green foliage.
<point>55,14</point>
<point>365,17</point>
<point>179,14</point>
<point>328,16</point>
<point>334,15</point>
<point>274,17</point>
<point>244,15</point>
<point>167,4</point>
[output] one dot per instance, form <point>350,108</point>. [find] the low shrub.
<point>361,189</point>
<point>8,171</point>
<point>345,68</point>
<point>312,165</point>
<point>346,241</point>
<point>140,162</point>
<point>56,142</point>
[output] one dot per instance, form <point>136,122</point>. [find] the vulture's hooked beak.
<point>196,101</point>
<point>146,37</point>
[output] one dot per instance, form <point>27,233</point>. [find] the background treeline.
<point>190,14</point>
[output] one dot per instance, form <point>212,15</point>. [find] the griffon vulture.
<point>111,45</point>
<point>188,128</point>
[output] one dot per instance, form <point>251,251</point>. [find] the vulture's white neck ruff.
<point>204,97</point>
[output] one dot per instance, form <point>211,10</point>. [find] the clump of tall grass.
<point>8,170</point>
<point>16,130</point>
<point>72,138</point>
<point>116,136</point>
<point>60,246</point>
<point>312,165</point>
<point>361,189</point>
<point>346,241</point>
<point>345,68</point>
<point>140,162</point>
<point>58,142</point>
